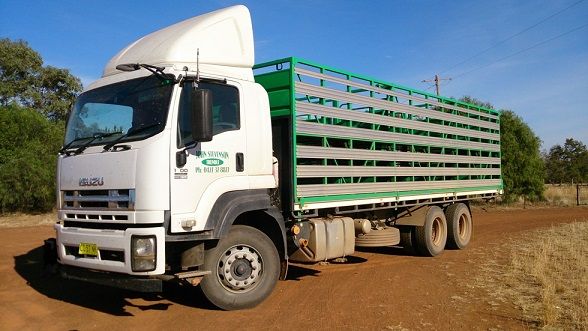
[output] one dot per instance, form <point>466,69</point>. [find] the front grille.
<point>95,217</point>
<point>98,199</point>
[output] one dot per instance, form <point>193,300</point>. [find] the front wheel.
<point>244,266</point>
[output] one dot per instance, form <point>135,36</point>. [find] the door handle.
<point>240,162</point>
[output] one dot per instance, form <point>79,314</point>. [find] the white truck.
<point>180,164</point>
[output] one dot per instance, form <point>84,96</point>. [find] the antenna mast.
<point>198,65</point>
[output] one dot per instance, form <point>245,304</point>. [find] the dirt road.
<point>378,289</point>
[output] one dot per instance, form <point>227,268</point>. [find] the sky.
<point>529,56</point>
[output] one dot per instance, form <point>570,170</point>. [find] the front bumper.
<point>127,282</point>
<point>114,248</point>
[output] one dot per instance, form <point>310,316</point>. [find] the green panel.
<point>281,112</point>
<point>274,80</point>
<point>278,85</point>
<point>279,99</point>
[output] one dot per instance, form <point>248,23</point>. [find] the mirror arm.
<point>179,80</point>
<point>189,146</point>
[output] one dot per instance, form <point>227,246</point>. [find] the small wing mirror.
<point>181,158</point>
<point>201,115</point>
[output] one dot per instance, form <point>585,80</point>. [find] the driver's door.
<point>213,167</point>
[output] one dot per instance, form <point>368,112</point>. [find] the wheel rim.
<point>437,231</point>
<point>240,268</point>
<point>462,226</point>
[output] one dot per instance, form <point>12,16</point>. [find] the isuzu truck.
<point>186,162</point>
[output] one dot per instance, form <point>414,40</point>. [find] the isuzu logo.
<point>91,181</point>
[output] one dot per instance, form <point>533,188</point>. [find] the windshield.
<point>136,108</point>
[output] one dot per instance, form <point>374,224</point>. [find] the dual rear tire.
<point>459,225</point>
<point>451,229</point>
<point>430,238</point>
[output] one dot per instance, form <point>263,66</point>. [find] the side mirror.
<point>201,115</point>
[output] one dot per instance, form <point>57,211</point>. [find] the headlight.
<point>143,253</point>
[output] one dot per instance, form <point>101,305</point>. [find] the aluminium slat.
<point>317,152</point>
<point>311,171</point>
<point>323,130</point>
<point>326,93</point>
<point>346,82</point>
<point>365,117</point>
<point>360,116</point>
<point>413,97</point>
<point>313,190</point>
<point>321,92</point>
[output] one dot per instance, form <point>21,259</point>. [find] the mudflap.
<point>284,270</point>
<point>50,256</point>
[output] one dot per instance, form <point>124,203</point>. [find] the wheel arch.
<point>252,208</point>
<point>266,222</point>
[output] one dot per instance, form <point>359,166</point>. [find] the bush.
<point>522,165</point>
<point>29,143</point>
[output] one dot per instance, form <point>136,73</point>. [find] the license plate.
<point>88,249</point>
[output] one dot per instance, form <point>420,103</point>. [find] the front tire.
<point>244,266</point>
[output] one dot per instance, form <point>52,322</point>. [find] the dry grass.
<point>20,220</point>
<point>565,194</point>
<point>546,277</point>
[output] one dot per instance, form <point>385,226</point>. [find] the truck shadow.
<point>298,271</point>
<point>387,250</point>
<point>101,298</point>
<point>117,301</point>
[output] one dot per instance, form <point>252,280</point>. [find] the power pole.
<point>437,80</point>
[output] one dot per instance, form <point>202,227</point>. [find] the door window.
<point>225,110</point>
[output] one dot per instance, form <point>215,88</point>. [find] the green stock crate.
<point>350,140</point>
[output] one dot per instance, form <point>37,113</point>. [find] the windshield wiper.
<point>64,148</point>
<point>157,71</point>
<point>130,133</point>
<point>94,137</point>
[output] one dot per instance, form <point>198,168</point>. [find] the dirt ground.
<point>377,289</point>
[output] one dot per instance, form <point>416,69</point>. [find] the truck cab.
<point>167,151</point>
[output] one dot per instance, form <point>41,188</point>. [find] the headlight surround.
<point>143,253</point>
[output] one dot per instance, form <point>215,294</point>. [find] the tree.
<point>555,171</point>
<point>28,146</point>
<point>34,99</point>
<point>474,101</point>
<point>567,164</point>
<point>521,163</point>
<point>25,81</point>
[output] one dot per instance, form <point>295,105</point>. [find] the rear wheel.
<point>407,240</point>
<point>244,266</point>
<point>459,226</point>
<point>430,238</point>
